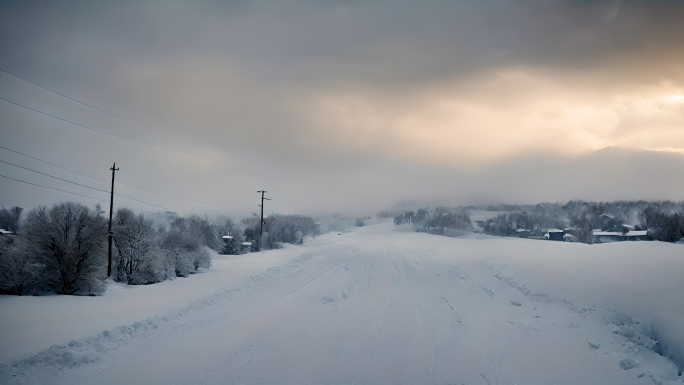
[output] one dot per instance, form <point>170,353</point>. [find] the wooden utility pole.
<point>110,235</point>
<point>261,229</point>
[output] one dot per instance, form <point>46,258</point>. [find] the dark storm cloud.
<point>385,42</point>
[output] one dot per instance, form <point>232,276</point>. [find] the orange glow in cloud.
<point>510,114</point>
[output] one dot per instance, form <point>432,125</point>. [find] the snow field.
<point>31,324</point>
<point>378,306</point>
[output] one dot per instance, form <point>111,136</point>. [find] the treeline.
<point>663,220</point>
<point>440,220</point>
<point>63,249</point>
<point>537,220</point>
<point>279,229</point>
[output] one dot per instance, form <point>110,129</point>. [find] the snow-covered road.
<point>374,306</point>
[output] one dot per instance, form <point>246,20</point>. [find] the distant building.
<point>229,246</point>
<point>554,235</point>
<point>617,236</point>
<point>522,233</point>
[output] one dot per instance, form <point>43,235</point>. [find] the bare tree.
<point>181,249</point>
<point>70,240</point>
<point>19,269</point>
<point>133,238</point>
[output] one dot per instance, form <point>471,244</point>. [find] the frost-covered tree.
<point>671,228</point>
<point>157,266</point>
<point>439,220</point>
<point>19,269</point>
<point>288,229</point>
<point>69,241</point>
<point>133,240</point>
<point>203,232</point>
<point>185,252</point>
<point>201,259</point>
<point>421,215</point>
<point>584,220</point>
<point>279,229</point>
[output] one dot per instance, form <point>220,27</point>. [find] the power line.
<point>72,193</point>
<point>52,188</point>
<point>82,185</point>
<point>119,194</point>
<point>149,204</point>
<point>171,209</point>
<point>48,175</point>
<point>104,200</point>
<point>131,208</point>
<point>186,200</point>
<point>80,102</point>
<point>129,186</point>
<point>51,164</point>
<point>110,134</point>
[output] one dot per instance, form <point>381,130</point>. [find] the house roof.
<point>3,231</point>
<point>246,243</point>
<point>554,231</point>
<point>227,237</point>
<point>639,233</point>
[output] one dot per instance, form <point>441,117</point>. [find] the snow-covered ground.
<point>373,306</point>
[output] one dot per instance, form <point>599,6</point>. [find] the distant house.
<point>522,233</point>
<point>229,246</point>
<point>617,236</point>
<point>554,235</point>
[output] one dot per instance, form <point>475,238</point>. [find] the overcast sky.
<point>343,106</point>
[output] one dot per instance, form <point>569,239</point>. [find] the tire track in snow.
<point>378,327</point>
<point>354,360</point>
<point>207,328</point>
<point>269,283</point>
<point>416,294</point>
<point>249,349</point>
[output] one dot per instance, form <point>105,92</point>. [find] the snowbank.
<point>30,324</point>
<point>644,280</point>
